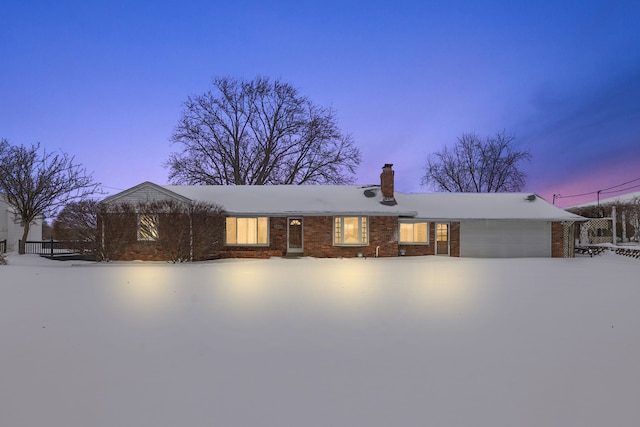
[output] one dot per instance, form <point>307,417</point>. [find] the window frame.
<point>413,222</point>
<point>154,229</point>
<point>257,230</point>
<point>363,237</point>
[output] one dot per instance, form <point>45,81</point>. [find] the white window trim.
<point>257,225</point>
<point>360,236</point>
<point>414,221</point>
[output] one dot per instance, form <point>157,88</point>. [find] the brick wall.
<point>454,242</point>
<point>121,238</point>
<point>418,250</point>
<point>318,241</point>
<point>277,243</point>
<point>557,240</point>
<point>318,238</point>
<point>454,239</point>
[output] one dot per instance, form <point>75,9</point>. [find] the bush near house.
<point>168,230</point>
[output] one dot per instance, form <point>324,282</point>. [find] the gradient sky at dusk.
<point>105,80</point>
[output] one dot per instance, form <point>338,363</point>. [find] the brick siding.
<point>557,240</point>
<point>454,237</point>
<point>277,243</point>
<point>318,238</point>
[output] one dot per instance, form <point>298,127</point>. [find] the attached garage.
<point>505,239</point>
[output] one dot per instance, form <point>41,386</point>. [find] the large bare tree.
<point>476,165</point>
<point>37,183</point>
<point>254,132</point>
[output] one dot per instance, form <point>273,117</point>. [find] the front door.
<point>294,241</point>
<point>442,239</point>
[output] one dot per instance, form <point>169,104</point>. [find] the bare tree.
<point>259,132</point>
<point>477,166</point>
<point>38,183</point>
<point>77,223</point>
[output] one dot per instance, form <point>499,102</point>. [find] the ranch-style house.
<point>341,221</point>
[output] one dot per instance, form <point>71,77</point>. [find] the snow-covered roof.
<point>293,199</point>
<point>344,199</point>
<point>623,198</point>
<point>281,200</point>
<point>478,206</point>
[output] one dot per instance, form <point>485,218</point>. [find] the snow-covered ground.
<point>309,342</point>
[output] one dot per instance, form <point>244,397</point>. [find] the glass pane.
<point>420,232</point>
<point>231,231</point>
<point>148,227</point>
<point>351,230</point>
<point>442,232</point>
<point>263,230</point>
<point>406,232</point>
<point>337,238</point>
<point>249,230</point>
<point>363,238</point>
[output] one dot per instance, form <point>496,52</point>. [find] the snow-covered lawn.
<point>307,342</point>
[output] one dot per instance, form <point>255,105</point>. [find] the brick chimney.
<point>386,185</point>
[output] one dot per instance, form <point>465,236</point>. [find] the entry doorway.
<point>294,235</point>
<point>442,238</point>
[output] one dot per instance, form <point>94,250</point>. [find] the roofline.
<point>157,187</point>
<point>323,213</point>
<point>551,219</point>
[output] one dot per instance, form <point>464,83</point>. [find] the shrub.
<point>180,231</point>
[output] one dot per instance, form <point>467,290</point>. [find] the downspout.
<point>377,251</point>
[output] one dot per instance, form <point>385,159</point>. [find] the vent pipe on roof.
<point>386,185</point>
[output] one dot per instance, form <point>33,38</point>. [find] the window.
<point>414,232</point>
<point>442,232</point>
<point>350,230</point>
<point>147,227</point>
<point>247,231</point>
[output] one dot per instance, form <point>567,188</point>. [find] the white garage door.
<point>505,239</point>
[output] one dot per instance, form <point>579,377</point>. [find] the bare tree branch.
<point>259,132</point>
<point>37,183</point>
<point>475,165</point>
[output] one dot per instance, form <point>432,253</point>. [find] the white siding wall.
<point>11,228</point>
<point>145,193</point>
<point>3,220</point>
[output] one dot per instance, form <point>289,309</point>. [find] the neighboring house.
<point>11,227</point>
<point>351,220</point>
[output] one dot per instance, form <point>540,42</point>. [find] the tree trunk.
<point>25,233</point>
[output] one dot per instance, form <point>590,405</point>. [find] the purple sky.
<point>105,80</point>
